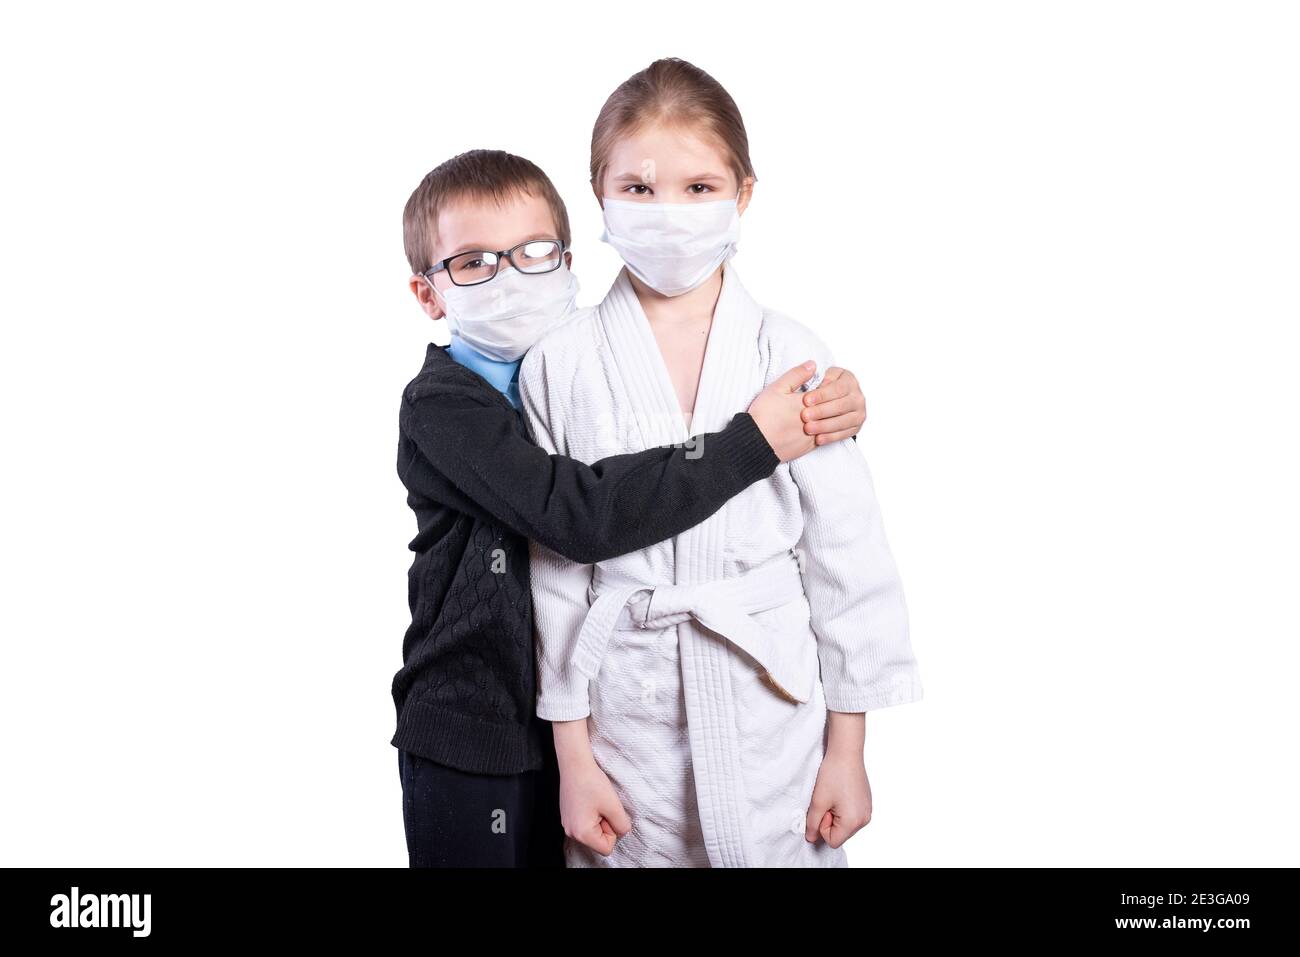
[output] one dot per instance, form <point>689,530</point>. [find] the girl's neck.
<point>681,326</point>
<point>689,308</point>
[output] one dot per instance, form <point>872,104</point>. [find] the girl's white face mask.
<point>506,316</point>
<point>672,247</point>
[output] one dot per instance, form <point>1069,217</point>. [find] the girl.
<point>708,692</point>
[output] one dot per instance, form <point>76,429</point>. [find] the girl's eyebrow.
<point>698,177</point>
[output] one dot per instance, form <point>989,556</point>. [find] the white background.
<point>1056,241</point>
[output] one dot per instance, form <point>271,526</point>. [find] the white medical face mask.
<point>506,316</point>
<point>672,247</point>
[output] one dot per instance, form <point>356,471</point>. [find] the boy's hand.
<point>794,423</point>
<point>841,799</point>
<point>836,409</point>
<point>776,412</point>
<point>590,809</point>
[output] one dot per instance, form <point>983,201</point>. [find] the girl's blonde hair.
<point>673,92</point>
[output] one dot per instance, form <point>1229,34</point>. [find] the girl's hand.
<point>841,799</point>
<point>836,409</point>
<point>590,809</point>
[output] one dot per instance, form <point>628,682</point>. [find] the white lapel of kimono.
<point>641,367</point>
<point>727,380</point>
<point>728,383</point>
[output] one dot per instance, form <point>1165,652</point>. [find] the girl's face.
<point>672,164</point>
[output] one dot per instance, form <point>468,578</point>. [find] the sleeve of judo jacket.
<point>859,614</point>
<point>560,602</point>
<point>560,605</point>
<point>588,513</point>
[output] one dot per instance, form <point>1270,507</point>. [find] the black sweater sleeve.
<point>587,513</point>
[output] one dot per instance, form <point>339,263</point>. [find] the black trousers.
<point>457,819</point>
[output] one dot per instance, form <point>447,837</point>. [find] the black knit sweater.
<point>480,487</point>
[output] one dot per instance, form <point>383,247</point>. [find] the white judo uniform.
<point>705,664</point>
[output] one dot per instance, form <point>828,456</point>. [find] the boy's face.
<point>470,224</point>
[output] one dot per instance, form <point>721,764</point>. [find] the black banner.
<point>1179,907</point>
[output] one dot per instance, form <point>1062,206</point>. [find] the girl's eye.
<point>638,189</point>
<point>698,188</point>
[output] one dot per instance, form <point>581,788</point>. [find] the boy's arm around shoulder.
<point>585,512</point>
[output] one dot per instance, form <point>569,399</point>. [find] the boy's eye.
<point>472,267</point>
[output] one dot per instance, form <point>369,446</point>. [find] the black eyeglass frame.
<point>496,266</point>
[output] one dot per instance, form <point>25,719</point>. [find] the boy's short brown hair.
<point>478,174</point>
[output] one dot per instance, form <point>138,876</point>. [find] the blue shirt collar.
<point>502,376</point>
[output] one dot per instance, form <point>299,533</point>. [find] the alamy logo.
<point>101,910</point>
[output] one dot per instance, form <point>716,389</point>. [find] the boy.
<point>487,239</point>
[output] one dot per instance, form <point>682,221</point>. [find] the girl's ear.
<point>746,193</point>
<point>568,259</point>
<point>424,295</point>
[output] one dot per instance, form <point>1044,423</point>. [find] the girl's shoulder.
<point>785,343</point>
<point>563,346</point>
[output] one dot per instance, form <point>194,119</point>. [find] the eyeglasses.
<point>480,265</point>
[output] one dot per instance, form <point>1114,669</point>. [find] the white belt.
<point>723,606</point>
